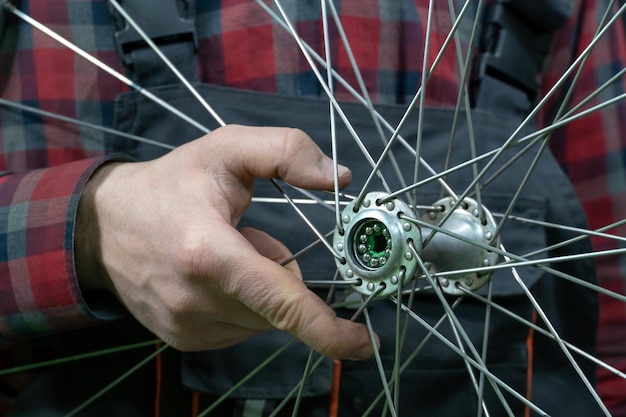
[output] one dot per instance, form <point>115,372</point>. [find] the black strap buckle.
<point>512,49</point>
<point>162,21</point>
<point>5,14</point>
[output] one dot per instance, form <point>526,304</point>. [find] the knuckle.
<point>289,146</point>
<point>286,315</point>
<point>193,254</point>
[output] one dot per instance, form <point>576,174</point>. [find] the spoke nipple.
<point>406,226</point>
<point>390,206</point>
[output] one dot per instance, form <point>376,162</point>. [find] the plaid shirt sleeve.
<point>592,151</point>
<point>39,292</point>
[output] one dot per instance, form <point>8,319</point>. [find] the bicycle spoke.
<point>519,261</point>
<point>166,61</point>
<point>497,154</point>
<point>420,109</point>
<point>412,356</point>
<point>458,327</point>
<point>541,263</point>
<point>331,110</point>
<point>463,96</point>
<point>492,378</point>
<point>365,303</point>
<point>546,333</point>
<point>97,353</point>
<point>544,143</point>
<point>306,220</point>
<point>583,56</point>
<point>326,89</point>
<point>249,376</point>
<point>582,233</point>
<point>379,364</point>
<point>534,137</point>
<point>117,381</point>
<point>44,29</point>
<point>306,249</point>
<point>395,131</point>
<point>73,121</point>
<point>305,376</point>
<point>364,93</point>
<point>298,388</point>
<point>559,341</point>
<point>397,349</point>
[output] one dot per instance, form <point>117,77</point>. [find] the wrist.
<point>90,270</point>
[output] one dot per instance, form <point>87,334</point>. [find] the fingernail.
<point>327,168</point>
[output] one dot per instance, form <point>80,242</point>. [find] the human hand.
<point>161,235</point>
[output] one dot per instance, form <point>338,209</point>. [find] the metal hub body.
<point>467,224</point>
<point>375,244</point>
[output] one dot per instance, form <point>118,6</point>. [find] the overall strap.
<point>8,39</point>
<point>513,49</point>
<point>170,24</point>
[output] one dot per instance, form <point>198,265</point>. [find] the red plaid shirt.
<point>243,48</point>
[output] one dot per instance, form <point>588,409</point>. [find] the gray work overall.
<point>436,382</point>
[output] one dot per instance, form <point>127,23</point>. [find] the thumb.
<point>283,300</point>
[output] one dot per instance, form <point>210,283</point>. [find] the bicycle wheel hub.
<point>376,245</point>
<point>467,230</point>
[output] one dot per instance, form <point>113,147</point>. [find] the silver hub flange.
<point>374,245</point>
<point>446,253</point>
